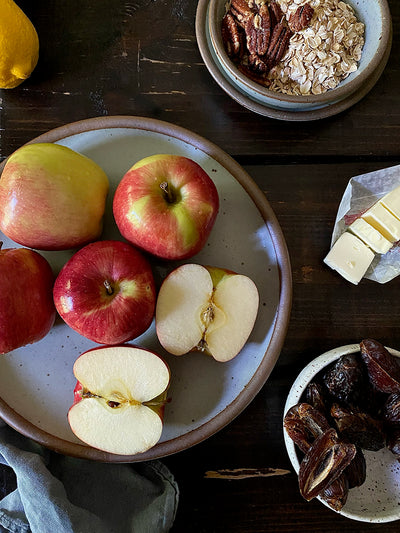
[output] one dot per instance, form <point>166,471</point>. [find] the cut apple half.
<point>209,309</point>
<point>119,399</point>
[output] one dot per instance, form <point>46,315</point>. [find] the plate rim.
<point>281,322</point>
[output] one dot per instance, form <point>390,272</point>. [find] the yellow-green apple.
<point>51,197</point>
<point>106,292</point>
<point>119,399</point>
<point>167,205</point>
<point>27,310</point>
<point>209,309</point>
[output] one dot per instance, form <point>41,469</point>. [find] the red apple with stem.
<point>106,292</point>
<point>119,399</point>
<point>166,205</point>
<point>27,311</point>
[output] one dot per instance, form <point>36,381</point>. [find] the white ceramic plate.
<point>377,500</point>
<point>36,382</point>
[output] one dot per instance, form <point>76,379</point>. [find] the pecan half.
<point>241,10</point>
<point>279,43</point>
<point>301,18</point>
<point>258,31</point>
<point>276,14</point>
<point>232,36</point>
<point>257,64</point>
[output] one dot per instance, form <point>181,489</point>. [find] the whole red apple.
<point>166,205</point>
<point>106,292</point>
<point>27,310</point>
<point>51,197</point>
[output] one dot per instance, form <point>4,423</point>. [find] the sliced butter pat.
<point>383,221</point>
<point>370,236</point>
<point>391,201</point>
<point>350,257</point>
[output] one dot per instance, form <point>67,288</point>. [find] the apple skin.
<point>52,198</point>
<point>171,225</point>
<point>111,314</point>
<point>208,309</point>
<point>117,396</point>
<point>27,311</point>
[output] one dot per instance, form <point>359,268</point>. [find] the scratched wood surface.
<point>115,57</point>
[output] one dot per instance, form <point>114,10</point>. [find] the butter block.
<point>370,236</point>
<point>350,257</point>
<point>391,201</point>
<point>383,221</point>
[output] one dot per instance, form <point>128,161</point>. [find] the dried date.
<point>393,441</point>
<point>323,463</point>
<point>304,424</point>
<point>383,368</point>
<point>335,495</point>
<point>356,472</point>
<point>391,410</point>
<point>346,379</point>
<point>359,428</point>
<point>314,395</point>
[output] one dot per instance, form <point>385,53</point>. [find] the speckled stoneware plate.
<point>36,382</point>
<point>249,95</point>
<point>377,500</point>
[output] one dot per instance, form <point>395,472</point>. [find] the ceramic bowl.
<point>377,500</point>
<point>378,37</point>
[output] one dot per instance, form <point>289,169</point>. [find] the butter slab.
<point>350,257</point>
<point>370,236</point>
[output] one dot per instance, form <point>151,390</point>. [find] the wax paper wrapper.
<point>360,194</point>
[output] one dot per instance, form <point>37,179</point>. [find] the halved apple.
<point>119,399</point>
<point>206,308</point>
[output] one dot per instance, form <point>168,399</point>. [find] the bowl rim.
<point>296,391</point>
<point>336,94</point>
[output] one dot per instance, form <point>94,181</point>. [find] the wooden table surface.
<point>116,57</point>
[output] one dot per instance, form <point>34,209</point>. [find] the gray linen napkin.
<point>58,494</point>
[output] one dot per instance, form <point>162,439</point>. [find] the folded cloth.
<point>58,494</point>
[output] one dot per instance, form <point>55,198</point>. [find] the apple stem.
<point>169,195</point>
<point>1,244</point>
<point>108,287</point>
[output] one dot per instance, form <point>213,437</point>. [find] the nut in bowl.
<point>301,55</point>
<point>345,431</point>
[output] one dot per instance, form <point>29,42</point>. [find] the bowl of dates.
<point>301,55</point>
<point>342,431</point>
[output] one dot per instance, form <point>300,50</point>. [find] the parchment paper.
<point>360,194</point>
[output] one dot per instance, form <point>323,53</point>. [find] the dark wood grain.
<point>115,57</point>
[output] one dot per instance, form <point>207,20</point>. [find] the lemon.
<point>19,45</point>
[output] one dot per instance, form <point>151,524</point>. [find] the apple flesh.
<point>106,292</point>
<point>27,311</point>
<point>119,399</point>
<point>167,205</point>
<point>206,308</point>
<point>51,197</point>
